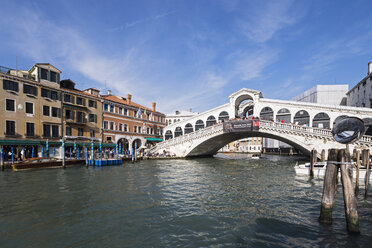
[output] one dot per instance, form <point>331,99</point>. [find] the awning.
<point>154,139</point>
<point>20,142</point>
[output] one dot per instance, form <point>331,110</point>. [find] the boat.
<point>256,156</point>
<point>320,170</point>
<point>35,163</point>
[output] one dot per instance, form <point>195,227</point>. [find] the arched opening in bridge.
<point>248,111</point>
<point>267,114</point>
<point>124,143</point>
<point>302,117</point>
<point>283,115</point>
<point>136,144</point>
<point>241,103</point>
<point>211,120</point>
<point>321,120</point>
<point>224,116</point>
<point>188,128</point>
<point>178,132</point>
<point>168,135</point>
<point>199,125</point>
<point>368,126</point>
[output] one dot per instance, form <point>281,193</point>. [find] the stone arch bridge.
<point>305,126</point>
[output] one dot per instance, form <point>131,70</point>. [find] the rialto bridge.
<point>305,126</point>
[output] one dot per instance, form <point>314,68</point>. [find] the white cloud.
<point>261,25</point>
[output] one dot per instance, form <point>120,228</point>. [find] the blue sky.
<point>191,54</point>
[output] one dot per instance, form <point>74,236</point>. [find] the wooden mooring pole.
<point>339,159</point>
<point>366,155</point>
<point>329,188</point>
<point>322,156</point>
<point>313,161</point>
<point>351,213</point>
<point>357,169</point>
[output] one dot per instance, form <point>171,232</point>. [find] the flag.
<point>139,113</point>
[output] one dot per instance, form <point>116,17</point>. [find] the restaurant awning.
<point>154,139</point>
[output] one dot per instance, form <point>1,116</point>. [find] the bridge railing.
<point>296,128</point>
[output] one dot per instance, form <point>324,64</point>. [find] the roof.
<point>92,89</point>
<point>119,99</point>
<point>79,92</point>
<point>45,64</point>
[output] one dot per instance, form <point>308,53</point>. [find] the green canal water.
<point>226,201</point>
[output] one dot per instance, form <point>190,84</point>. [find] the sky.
<point>191,54</point>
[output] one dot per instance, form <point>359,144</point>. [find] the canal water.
<point>226,201</point>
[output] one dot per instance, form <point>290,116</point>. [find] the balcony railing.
<point>18,73</point>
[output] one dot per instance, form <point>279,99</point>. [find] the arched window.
<point>224,116</point>
<point>267,114</point>
<point>199,125</point>
<point>302,117</point>
<point>211,120</point>
<point>321,120</point>
<point>188,128</point>
<point>168,135</point>
<point>178,132</point>
<point>283,115</point>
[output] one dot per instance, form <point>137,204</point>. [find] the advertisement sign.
<point>241,126</point>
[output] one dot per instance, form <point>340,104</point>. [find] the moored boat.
<point>320,169</point>
<point>35,163</point>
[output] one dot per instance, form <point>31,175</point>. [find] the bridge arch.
<point>283,115</point>
<point>223,116</point>
<point>199,125</point>
<point>188,128</point>
<point>322,120</point>
<point>211,120</point>
<point>302,117</point>
<point>178,132</point>
<point>168,135</point>
<point>267,114</point>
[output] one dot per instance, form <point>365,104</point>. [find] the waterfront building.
<point>31,111</point>
<point>177,116</point>
<point>82,115</point>
<point>130,124</point>
<point>329,94</point>
<point>252,145</point>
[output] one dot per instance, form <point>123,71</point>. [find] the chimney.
<point>154,106</point>
<point>109,92</point>
<point>190,109</point>
<point>129,98</point>
<point>369,68</point>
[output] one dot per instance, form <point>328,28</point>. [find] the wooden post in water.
<point>329,188</point>
<point>63,154</point>
<point>357,156</point>
<point>366,155</point>
<point>322,155</point>
<point>351,213</point>
<point>312,161</point>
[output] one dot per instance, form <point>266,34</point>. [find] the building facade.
<point>129,124</point>
<point>178,116</point>
<point>361,94</point>
<point>330,94</point>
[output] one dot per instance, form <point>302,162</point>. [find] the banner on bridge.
<point>241,126</point>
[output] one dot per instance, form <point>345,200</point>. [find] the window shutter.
<point>95,118</point>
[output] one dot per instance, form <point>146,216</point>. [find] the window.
<point>139,129</point>
<point>30,90</point>
<point>29,108</point>
<point>92,104</point>
<point>10,128</point>
<point>112,108</point>
<point>68,131</point>
<point>106,107</point>
<point>54,95</point>
<point>120,127</point>
<point>68,98</point>
<point>46,130</point>
<point>55,131</point>
<point>46,110</point>
<point>105,125</point>
<point>135,129</point>
<point>43,73</point>
<point>80,101</point>
<point>125,128</point>
<point>112,125</point>
<point>45,92</point>
<point>135,113</point>
<point>30,129</point>
<point>92,133</point>
<point>53,76</point>
<point>120,110</point>
<point>109,139</point>
<point>125,111</point>
<point>10,85</point>
<point>80,117</point>
<point>93,118</point>
<point>69,114</point>
<point>56,112</point>
<point>10,105</point>
<point>80,131</point>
